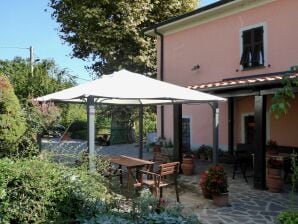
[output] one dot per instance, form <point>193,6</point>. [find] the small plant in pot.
<point>205,152</point>
<point>272,148</point>
<point>157,144</point>
<point>209,153</point>
<point>214,182</point>
<point>201,152</point>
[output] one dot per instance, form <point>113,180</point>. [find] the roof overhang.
<point>249,83</point>
<point>202,15</point>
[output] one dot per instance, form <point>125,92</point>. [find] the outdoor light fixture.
<point>195,67</point>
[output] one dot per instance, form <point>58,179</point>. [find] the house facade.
<point>238,49</point>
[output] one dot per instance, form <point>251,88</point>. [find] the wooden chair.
<point>166,176</point>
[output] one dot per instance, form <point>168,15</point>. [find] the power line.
<point>24,48</point>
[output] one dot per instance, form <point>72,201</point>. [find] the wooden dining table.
<point>130,163</point>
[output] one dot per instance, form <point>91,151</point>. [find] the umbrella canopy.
<point>126,88</point>
<point>130,88</point>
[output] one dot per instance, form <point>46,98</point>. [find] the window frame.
<point>265,38</point>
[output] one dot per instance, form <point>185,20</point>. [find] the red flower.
<point>214,181</point>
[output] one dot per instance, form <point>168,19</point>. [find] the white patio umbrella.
<point>130,88</point>
<point>126,88</point>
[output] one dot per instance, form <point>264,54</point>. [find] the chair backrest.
<point>169,169</point>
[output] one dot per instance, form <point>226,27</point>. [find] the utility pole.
<point>31,59</point>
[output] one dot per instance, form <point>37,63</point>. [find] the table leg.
<point>129,179</point>
<point>120,171</point>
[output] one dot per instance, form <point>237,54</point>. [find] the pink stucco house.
<point>239,49</point>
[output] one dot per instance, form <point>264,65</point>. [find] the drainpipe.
<point>162,129</point>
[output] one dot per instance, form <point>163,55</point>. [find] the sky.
<point>25,23</point>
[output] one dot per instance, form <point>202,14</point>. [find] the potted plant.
<point>168,150</point>
<point>188,164</point>
<point>201,152</point>
<point>205,190</point>
<point>215,183</point>
<point>271,148</point>
<point>205,152</point>
<point>274,177</point>
<point>157,144</point>
<point>208,152</point>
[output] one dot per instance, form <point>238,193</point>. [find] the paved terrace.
<point>247,205</point>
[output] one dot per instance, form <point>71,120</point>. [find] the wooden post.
<point>177,112</point>
<point>141,132</point>
<point>231,125</point>
<point>260,142</point>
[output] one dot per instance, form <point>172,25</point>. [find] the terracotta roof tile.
<point>248,80</point>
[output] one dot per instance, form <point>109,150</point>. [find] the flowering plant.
<point>214,181</point>
<point>206,191</point>
<point>272,147</point>
<point>274,163</point>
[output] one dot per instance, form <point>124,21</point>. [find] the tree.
<point>47,77</point>
<point>12,123</point>
<point>110,33</point>
<point>281,101</point>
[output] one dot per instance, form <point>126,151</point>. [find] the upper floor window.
<point>252,48</point>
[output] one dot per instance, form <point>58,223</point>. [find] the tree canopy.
<point>47,77</point>
<point>110,33</point>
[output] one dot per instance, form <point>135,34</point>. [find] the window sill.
<point>253,68</point>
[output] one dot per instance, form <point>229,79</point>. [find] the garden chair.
<point>167,175</point>
<point>243,159</point>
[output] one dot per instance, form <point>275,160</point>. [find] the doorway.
<point>249,129</point>
<point>185,134</point>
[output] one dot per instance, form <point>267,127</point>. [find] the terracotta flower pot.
<point>221,200</point>
<point>187,168</point>
<point>274,172</point>
<point>187,165</point>
<point>274,183</point>
<point>156,148</point>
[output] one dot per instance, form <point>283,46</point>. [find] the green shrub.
<point>78,126</point>
<point>38,191</point>
<point>79,134</point>
<point>143,210</point>
<point>288,217</point>
<point>12,123</point>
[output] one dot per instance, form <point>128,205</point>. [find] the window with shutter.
<point>252,48</point>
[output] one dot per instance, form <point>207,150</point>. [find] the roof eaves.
<point>186,15</point>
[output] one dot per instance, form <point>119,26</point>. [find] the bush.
<point>143,211</point>
<point>12,123</point>
<point>288,217</point>
<point>78,126</point>
<point>79,134</point>
<point>37,191</point>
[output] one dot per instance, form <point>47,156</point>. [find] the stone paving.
<point>247,205</point>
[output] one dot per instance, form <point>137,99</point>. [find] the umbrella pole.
<point>141,131</point>
<point>215,113</point>
<point>91,132</point>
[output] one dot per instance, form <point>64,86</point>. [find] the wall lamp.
<point>195,67</point>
